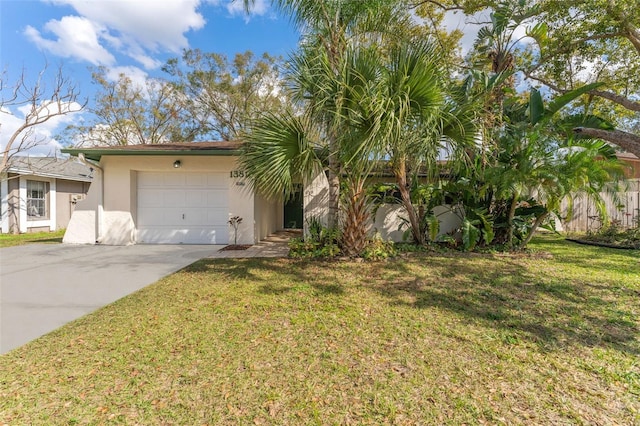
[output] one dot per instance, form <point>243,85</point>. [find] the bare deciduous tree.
<point>41,102</point>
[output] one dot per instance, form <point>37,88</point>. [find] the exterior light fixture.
<point>177,164</point>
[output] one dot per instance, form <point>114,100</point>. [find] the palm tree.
<point>423,117</point>
<point>327,80</point>
<point>329,27</point>
<point>407,113</point>
<point>587,167</point>
<point>289,149</point>
<point>496,46</point>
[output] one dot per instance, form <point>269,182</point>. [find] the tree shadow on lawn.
<point>500,293</point>
<point>288,271</point>
<point>554,314</point>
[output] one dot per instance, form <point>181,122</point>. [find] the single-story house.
<point>186,193</point>
<point>173,194</point>
<point>41,193</point>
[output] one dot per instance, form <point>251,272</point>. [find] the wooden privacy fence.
<point>623,210</point>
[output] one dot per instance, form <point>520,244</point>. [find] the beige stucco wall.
<point>117,224</point>
<point>269,216</point>
<point>316,201</point>
<point>65,190</point>
<point>83,227</point>
<point>388,216</point>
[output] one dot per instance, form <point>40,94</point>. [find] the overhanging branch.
<point>627,141</point>
<point>613,97</point>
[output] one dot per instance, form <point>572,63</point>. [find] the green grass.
<point>10,240</point>
<point>548,337</point>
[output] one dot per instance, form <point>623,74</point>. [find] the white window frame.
<point>50,222</point>
<point>41,200</point>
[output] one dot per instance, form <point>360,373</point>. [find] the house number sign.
<point>238,174</point>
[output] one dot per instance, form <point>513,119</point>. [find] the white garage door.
<point>183,208</point>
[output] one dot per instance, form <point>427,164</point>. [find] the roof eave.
<point>24,172</point>
<point>96,154</point>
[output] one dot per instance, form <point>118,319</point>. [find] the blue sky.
<point>131,36</point>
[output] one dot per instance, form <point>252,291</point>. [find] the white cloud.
<point>153,24</point>
<point>140,56</point>
<point>137,76</point>
<point>586,70</point>
<point>469,26</point>
<point>259,7</point>
<point>138,29</point>
<point>76,38</point>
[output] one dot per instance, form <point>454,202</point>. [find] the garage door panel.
<point>182,207</point>
<point>202,198</point>
<point>196,180</point>
<point>183,236</point>
<point>151,198</point>
<point>150,180</point>
<point>159,217</point>
<point>217,198</point>
<point>173,180</point>
<point>174,197</point>
<point>214,214</point>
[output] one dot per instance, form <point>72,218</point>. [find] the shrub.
<point>379,249</point>
<point>320,242</point>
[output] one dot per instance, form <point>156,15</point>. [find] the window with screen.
<point>36,200</point>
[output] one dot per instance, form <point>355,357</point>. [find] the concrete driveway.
<point>42,286</point>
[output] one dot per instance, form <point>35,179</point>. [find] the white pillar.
<point>4,204</point>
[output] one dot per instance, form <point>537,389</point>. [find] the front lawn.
<point>10,240</point>
<point>548,337</point>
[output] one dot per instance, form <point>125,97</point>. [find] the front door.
<point>293,210</point>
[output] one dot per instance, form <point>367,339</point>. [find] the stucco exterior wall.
<point>316,201</point>
<point>83,227</point>
<point>68,194</point>
<point>389,219</point>
<point>116,225</point>
<point>269,216</point>
<point>388,216</point>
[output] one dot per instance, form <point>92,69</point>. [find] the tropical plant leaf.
<point>470,235</point>
<point>539,33</point>
<point>561,101</point>
<point>536,106</point>
<point>433,227</point>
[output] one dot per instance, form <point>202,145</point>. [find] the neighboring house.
<point>171,194</point>
<point>40,193</point>
<point>632,164</point>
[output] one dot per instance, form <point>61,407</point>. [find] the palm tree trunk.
<point>401,180</point>
<point>533,230</point>
<point>510,216</point>
<point>333,176</point>
<point>356,219</point>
